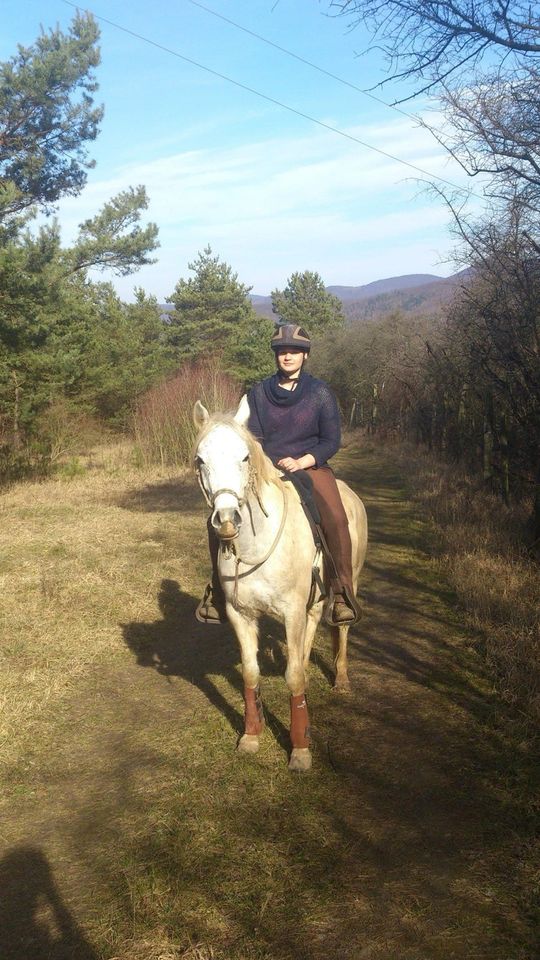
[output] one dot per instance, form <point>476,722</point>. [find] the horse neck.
<point>262,513</point>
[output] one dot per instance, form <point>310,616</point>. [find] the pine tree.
<point>209,308</point>
<point>306,302</point>
<point>213,316</point>
<point>47,117</point>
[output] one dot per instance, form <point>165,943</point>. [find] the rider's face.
<point>290,361</point>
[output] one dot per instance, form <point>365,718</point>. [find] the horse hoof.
<point>342,687</point>
<point>248,743</point>
<point>300,759</point>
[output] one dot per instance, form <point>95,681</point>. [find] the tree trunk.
<point>17,442</point>
<point>536,513</point>
<point>505,461</point>
<point>374,408</point>
<point>487,447</point>
<point>462,421</point>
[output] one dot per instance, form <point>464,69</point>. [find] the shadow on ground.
<point>35,924</point>
<point>177,645</point>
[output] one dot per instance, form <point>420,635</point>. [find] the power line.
<point>275,102</point>
<point>309,63</point>
<point>436,133</point>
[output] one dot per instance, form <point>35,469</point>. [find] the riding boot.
<point>211,609</point>
<point>342,606</point>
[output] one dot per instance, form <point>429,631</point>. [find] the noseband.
<point>211,501</point>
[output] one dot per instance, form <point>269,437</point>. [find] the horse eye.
<point>199,461</point>
<point>246,458</point>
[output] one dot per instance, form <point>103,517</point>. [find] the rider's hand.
<point>302,463</point>
<point>289,464</point>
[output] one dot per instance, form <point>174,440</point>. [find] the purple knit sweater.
<point>290,423</point>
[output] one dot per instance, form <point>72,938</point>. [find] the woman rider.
<point>296,419</point>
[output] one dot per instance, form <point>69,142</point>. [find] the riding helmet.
<point>290,335</point>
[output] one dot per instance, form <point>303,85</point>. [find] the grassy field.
<point>130,827</point>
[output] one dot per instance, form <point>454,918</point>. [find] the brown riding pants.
<point>334,525</point>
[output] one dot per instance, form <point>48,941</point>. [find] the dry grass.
<point>481,548</point>
<point>166,950</point>
<point>120,779</point>
<point>67,577</point>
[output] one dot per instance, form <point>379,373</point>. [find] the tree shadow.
<point>200,652</point>
<point>35,924</point>
<point>168,496</point>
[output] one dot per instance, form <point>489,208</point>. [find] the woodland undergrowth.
<point>481,546</point>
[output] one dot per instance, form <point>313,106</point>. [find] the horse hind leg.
<point>339,643</point>
<point>313,620</point>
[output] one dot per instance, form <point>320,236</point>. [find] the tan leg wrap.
<point>300,736</point>
<point>253,711</point>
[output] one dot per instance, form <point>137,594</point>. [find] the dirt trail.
<point>137,823</point>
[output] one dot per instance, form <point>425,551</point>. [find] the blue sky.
<point>271,192</point>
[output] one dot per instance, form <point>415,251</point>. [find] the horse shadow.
<point>34,921</point>
<point>177,645</point>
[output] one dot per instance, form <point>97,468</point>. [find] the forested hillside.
<point>412,294</point>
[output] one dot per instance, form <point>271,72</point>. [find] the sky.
<point>270,191</point>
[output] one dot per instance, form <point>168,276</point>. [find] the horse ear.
<point>243,412</point>
<point>200,414</point>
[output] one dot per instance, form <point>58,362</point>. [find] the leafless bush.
<point>65,430</point>
<point>163,420</point>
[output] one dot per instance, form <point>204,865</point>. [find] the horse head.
<point>222,462</point>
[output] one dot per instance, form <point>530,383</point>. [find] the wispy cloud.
<point>274,205</point>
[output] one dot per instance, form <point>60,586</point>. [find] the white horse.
<point>266,558</point>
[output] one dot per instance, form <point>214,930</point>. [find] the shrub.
<point>163,420</point>
<point>481,546</point>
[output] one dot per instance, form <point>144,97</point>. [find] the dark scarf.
<point>282,397</point>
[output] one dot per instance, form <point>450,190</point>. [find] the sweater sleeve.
<point>329,426</point>
<point>254,424</point>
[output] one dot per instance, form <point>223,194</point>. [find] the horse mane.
<point>262,469</point>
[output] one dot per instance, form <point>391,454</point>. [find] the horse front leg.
<point>247,634</point>
<point>295,676</point>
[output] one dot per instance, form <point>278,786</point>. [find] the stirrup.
<point>349,602</point>
<point>207,610</point>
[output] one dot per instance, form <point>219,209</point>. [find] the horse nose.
<point>226,521</point>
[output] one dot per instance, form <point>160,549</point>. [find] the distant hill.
<point>383,286</point>
<point>263,305</point>
<point>418,293</point>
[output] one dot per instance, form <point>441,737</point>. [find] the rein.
<point>255,564</point>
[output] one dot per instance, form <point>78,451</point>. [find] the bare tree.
<point>491,102</point>
<point>428,40</point>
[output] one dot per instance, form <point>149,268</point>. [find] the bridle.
<point>211,500</point>
<point>227,546</point>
